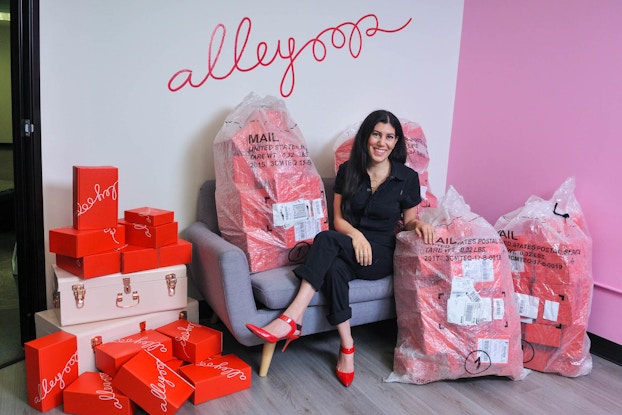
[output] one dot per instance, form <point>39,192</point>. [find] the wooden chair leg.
<point>266,358</point>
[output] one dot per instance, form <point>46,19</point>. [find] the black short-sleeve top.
<point>378,213</point>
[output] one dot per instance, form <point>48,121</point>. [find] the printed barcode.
<point>473,296</point>
<point>485,346</point>
<point>521,307</point>
<point>307,230</point>
<point>499,308</point>
<point>468,314</point>
<point>300,210</point>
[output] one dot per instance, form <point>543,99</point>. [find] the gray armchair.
<point>220,272</point>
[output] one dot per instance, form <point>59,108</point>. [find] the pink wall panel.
<point>538,99</point>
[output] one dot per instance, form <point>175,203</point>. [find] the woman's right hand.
<point>362,249</point>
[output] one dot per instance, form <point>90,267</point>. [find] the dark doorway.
<point>28,262</point>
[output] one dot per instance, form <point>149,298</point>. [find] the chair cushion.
<point>276,288</point>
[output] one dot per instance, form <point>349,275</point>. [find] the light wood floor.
<point>302,381</point>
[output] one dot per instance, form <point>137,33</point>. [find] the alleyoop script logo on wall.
<point>349,35</point>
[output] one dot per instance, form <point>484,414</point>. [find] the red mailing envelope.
<point>154,386</point>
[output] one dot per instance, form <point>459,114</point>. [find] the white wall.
<point>106,64</point>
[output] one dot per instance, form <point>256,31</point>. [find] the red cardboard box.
<point>276,224</point>
<point>138,258</point>
<point>110,356</point>
<point>80,243</point>
<point>175,364</point>
<point>177,253</point>
<point>51,365</point>
<point>92,394</point>
<point>95,197</point>
<point>243,175</point>
<point>149,216</point>
<point>153,385</point>
<point>217,377</point>
<point>91,266</point>
<point>192,342</point>
<point>543,334</point>
<point>555,305</point>
<point>151,236</point>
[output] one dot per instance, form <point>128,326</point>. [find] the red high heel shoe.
<point>271,338</point>
<point>345,377</point>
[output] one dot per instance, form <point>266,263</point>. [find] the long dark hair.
<point>359,156</point>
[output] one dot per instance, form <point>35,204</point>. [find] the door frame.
<point>26,108</point>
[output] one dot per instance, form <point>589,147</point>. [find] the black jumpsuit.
<point>331,262</point>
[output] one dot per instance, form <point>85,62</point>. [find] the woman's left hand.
<point>423,230</point>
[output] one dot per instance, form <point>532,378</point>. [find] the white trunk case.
<point>91,334</point>
<point>119,295</point>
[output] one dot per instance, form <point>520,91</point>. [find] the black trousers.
<point>331,265</point>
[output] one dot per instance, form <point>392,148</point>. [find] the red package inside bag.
<point>269,196</point>
<point>551,251</point>
<point>454,300</point>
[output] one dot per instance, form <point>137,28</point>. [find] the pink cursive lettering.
<point>146,214</point>
<point>140,227</point>
<point>184,336</point>
<point>110,191</point>
<point>348,35</point>
<point>224,369</point>
<point>145,344</point>
<point>47,385</point>
<point>159,389</point>
<point>107,394</point>
<point>112,232</point>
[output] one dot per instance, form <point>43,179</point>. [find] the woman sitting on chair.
<point>374,190</point>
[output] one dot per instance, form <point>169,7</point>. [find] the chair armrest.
<point>220,272</point>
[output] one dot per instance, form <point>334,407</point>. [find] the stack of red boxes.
<point>107,285</point>
<point>100,244</point>
<point>157,370</point>
<point>152,241</point>
<point>210,372</point>
<point>90,248</point>
<point>108,268</point>
<point>455,301</point>
<point>270,198</point>
<point>417,157</point>
<point>550,251</point>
